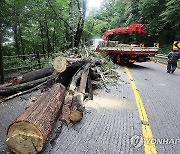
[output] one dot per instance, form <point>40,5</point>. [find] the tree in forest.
<point>170,21</point>
<point>150,11</point>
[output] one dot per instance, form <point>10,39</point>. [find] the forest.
<point>50,26</point>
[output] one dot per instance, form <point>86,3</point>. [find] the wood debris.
<point>29,133</point>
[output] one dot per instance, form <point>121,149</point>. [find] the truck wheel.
<point>113,58</point>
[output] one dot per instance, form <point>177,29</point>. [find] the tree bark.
<point>30,131</point>
<point>90,88</point>
<point>42,38</point>
<point>6,91</point>
<point>54,39</point>
<point>80,25</point>
<point>76,110</point>
<point>15,29</point>
<point>66,110</point>
<point>1,58</point>
<point>33,75</point>
<point>84,79</point>
<point>49,46</point>
<point>21,40</point>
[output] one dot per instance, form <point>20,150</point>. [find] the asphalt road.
<point>112,123</point>
<point>160,93</point>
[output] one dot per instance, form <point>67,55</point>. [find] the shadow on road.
<point>134,66</point>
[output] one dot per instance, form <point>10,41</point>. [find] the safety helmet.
<point>175,48</point>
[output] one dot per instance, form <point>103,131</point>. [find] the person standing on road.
<point>173,56</point>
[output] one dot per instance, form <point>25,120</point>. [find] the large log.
<point>33,75</point>
<point>72,88</point>
<point>84,79</point>
<point>90,88</point>
<point>29,133</point>
<point>6,91</point>
<point>76,110</point>
<point>60,64</point>
<point>66,110</point>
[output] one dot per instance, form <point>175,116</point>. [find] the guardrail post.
<point>1,65</point>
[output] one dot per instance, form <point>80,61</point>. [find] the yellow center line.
<point>146,130</point>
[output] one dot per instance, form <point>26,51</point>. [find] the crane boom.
<point>131,29</point>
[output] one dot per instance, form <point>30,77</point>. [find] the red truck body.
<point>126,53</point>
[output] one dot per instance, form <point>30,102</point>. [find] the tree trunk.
<point>1,59</point>
<point>90,89</point>
<point>80,26</point>
<point>6,91</point>
<point>15,29</point>
<point>84,79</point>
<point>60,64</point>
<point>76,113</point>
<point>29,133</point>
<point>54,39</point>
<point>21,40</point>
<point>49,47</point>
<point>42,38</point>
<point>33,75</point>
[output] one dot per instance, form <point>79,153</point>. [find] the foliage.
<point>160,17</point>
<point>49,26</point>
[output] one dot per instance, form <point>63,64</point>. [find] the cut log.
<point>29,133</point>
<point>90,88</point>
<point>6,91</point>
<point>24,92</point>
<point>84,78</point>
<point>5,85</point>
<point>66,108</point>
<point>76,78</point>
<point>33,75</point>
<point>60,64</point>
<point>77,109</point>
<point>66,77</point>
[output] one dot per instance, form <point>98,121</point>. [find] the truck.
<point>125,52</point>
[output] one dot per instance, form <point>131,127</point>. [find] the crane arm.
<point>131,29</point>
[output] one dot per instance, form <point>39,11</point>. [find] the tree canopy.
<point>55,25</point>
<point>160,17</point>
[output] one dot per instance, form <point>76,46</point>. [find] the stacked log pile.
<point>68,86</point>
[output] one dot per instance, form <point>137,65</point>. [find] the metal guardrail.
<point>163,59</point>
<point>163,56</point>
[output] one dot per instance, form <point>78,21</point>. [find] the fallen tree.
<point>33,75</point>
<point>30,131</point>
<point>6,91</point>
<point>73,106</point>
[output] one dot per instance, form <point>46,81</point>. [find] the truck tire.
<point>113,58</point>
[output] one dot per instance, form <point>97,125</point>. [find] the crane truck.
<point>125,53</point>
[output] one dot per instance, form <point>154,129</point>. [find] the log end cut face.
<point>59,64</point>
<point>76,116</point>
<point>24,138</point>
